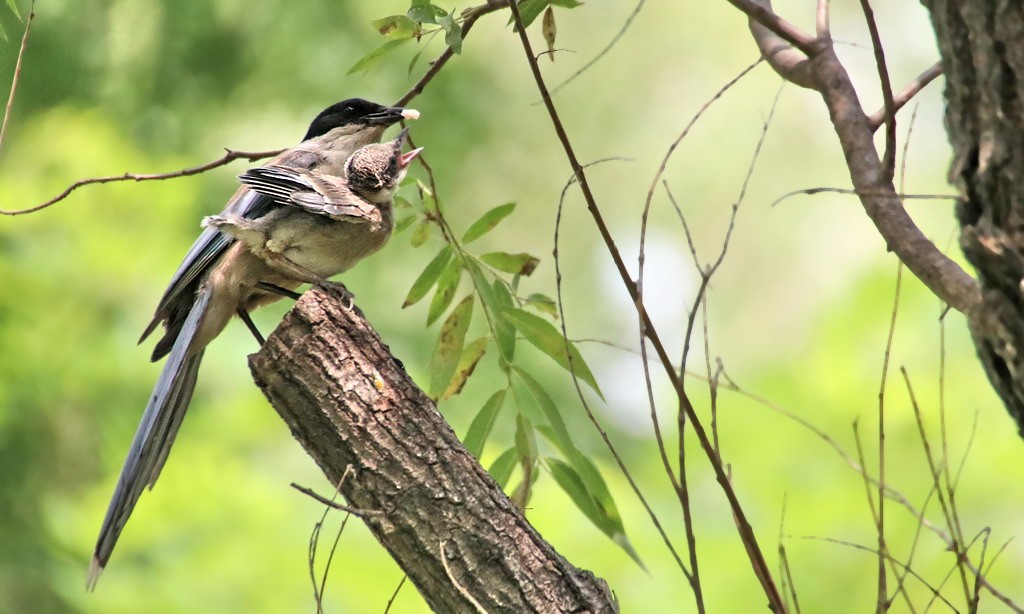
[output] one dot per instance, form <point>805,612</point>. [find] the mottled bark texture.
<point>460,539</point>
<point>982,47</point>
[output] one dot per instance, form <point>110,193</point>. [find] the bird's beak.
<point>405,159</point>
<point>390,115</point>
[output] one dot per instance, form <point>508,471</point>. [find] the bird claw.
<point>348,299</point>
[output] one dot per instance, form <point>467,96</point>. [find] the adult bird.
<point>219,278</point>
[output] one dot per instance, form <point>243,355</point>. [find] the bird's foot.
<point>348,299</point>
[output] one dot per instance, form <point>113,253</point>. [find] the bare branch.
<point>230,156</point>
<point>601,54</point>
<point>877,118</point>
<point>889,106</point>
<point>743,525</point>
<point>938,272</point>
<point>17,70</point>
<point>788,62</point>
<point>471,16</point>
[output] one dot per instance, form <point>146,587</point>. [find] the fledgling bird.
<point>219,278</point>
<point>328,223</point>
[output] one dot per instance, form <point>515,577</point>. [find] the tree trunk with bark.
<point>982,47</point>
<point>458,537</point>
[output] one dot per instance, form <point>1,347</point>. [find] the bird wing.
<point>317,193</point>
<point>211,245</point>
<point>155,434</point>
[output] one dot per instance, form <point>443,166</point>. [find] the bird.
<point>219,278</point>
<point>327,223</point>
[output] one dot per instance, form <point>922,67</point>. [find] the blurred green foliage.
<point>799,313</point>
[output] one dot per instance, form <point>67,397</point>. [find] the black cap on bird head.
<point>356,111</point>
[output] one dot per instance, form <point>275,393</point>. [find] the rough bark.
<point>982,47</point>
<point>460,539</point>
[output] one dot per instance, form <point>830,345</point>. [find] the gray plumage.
<point>218,278</point>
<point>329,223</point>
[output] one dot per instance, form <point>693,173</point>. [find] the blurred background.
<point>799,313</point>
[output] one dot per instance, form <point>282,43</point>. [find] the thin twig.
<point>899,195</point>
<point>785,573</point>
<point>935,591</point>
<point>435,67</point>
<point>876,119</point>
<point>880,519</point>
<point>579,391</point>
<point>394,595</point>
<point>17,71</point>
<point>230,156</point>
<point>601,54</point>
<point>355,511</point>
<point>746,531</point>
<point>889,157</point>
<point>951,523</point>
<point>890,492</point>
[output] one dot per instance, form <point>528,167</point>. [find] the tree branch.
<point>744,528</point>
<point>944,277</point>
<point>17,70</point>
<point>472,15</point>
<point>458,537</point>
<point>230,156</point>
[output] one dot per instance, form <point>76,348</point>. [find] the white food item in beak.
<point>410,114</point>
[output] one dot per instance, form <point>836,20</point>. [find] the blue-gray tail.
<point>153,439</point>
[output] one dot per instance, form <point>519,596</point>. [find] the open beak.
<point>405,159</point>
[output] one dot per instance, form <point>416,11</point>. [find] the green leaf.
<point>517,264</point>
<point>420,234</point>
<point>403,224</point>
<point>14,9</point>
<point>401,202</point>
<point>453,37</point>
<point>505,331</point>
<point>530,10</point>
<point>480,429</point>
<point>501,468</point>
<point>504,334</point>
<point>425,12</point>
<point>545,337</point>
<point>530,406</point>
<point>428,277</point>
<point>447,283</point>
<point>543,304</point>
<point>415,59</point>
<point>449,346</point>
<point>487,222</point>
<point>568,4</point>
<point>526,439</point>
<point>471,355</point>
<point>397,27</point>
<point>599,511</point>
<point>374,56</point>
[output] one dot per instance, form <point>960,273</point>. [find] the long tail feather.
<point>155,434</point>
